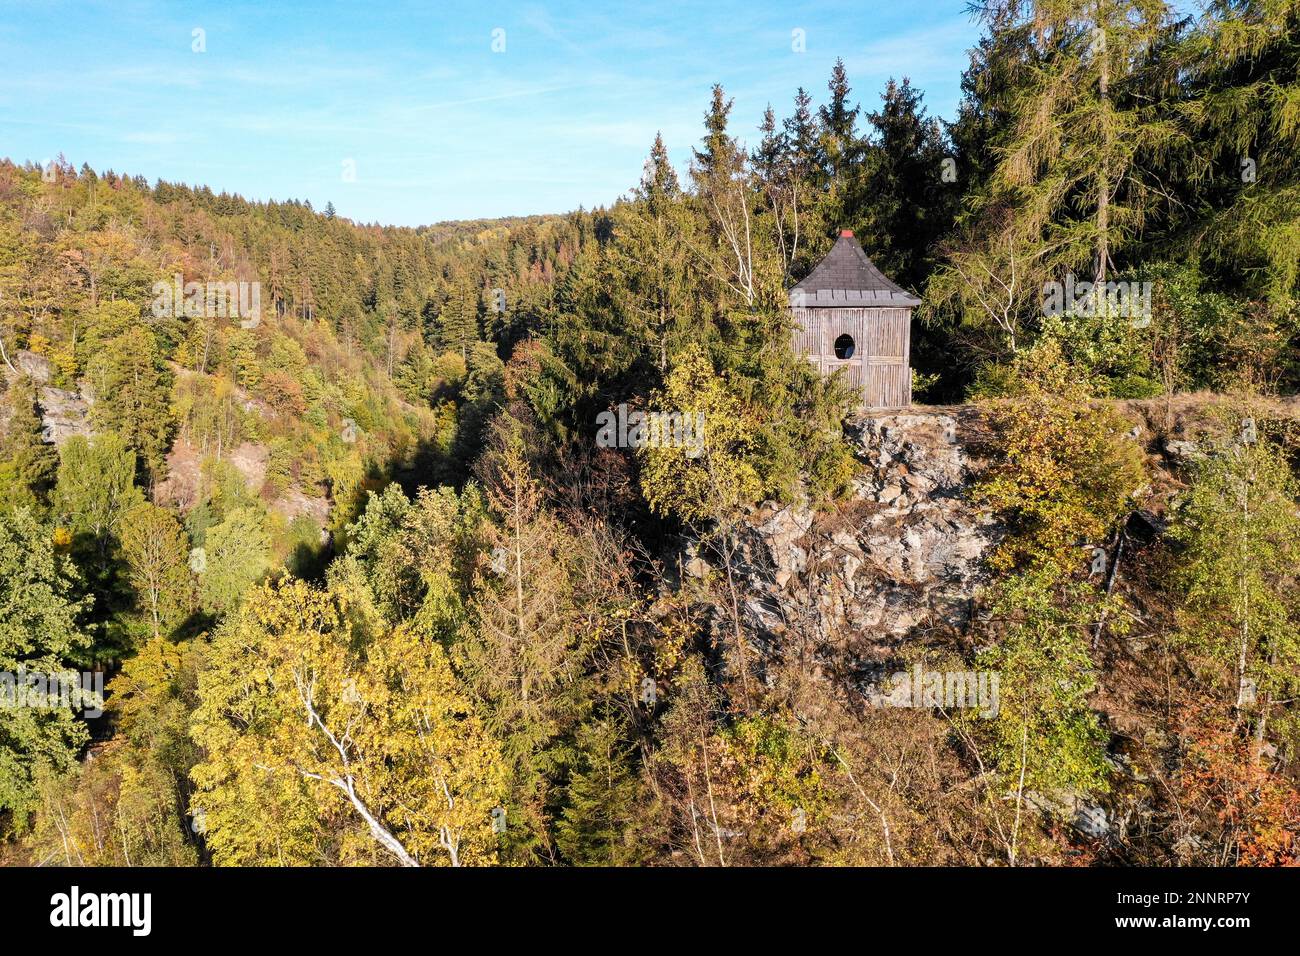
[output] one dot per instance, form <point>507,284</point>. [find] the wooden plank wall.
<point>880,363</point>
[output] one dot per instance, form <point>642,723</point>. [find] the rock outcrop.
<point>36,367</point>
<point>63,414</point>
<point>905,554</point>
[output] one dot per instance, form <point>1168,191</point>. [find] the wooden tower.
<point>848,315</point>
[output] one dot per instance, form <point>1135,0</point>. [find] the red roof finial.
<point>846,233</point>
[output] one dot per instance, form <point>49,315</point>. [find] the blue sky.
<point>436,125</point>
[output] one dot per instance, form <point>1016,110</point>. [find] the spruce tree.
<point>22,443</point>
<point>838,126</point>
<point>901,205</point>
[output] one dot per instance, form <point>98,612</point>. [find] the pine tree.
<point>460,321</point>
<point>781,178</point>
<point>659,185</point>
<point>984,115</point>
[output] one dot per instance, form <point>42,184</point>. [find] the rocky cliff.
<point>63,413</point>
<point>904,555</point>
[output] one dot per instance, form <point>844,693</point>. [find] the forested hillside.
<point>366,588</point>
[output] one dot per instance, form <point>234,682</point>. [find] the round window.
<point>844,347</point>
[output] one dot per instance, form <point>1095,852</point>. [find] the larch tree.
<point>1243,78</point>
<point>1073,183</point>
<point>522,655</point>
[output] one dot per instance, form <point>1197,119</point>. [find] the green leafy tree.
<point>236,554</point>
<point>156,551</point>
<point>137,787</point>
<point>1064,474</point>
<point>1045,738</point>
<point>41,633</point>
<point>708,483</point>
<point>1240,529</point>
<point>96,485</point>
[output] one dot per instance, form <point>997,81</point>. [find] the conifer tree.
<point>1243,73</point>
<point>22,444</point>
<point>42,634</point>
<point>801,132</point>
<point>838,123</point>
<point>1068,192</point>
<point>651,262</point>
<point>523,654</point>
<point>900,206</point>
<point>602,800</point>
<point>131,390</point>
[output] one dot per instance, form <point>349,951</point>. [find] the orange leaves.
<point>1257,809</point>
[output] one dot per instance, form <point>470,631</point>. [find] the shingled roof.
<point>847,279</point>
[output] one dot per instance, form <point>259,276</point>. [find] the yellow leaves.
<point>38,343</point>
<point>1065,473</point>
<point>313,721</point>
<point>146,679</point>
<point>715,476</point>
<point>669,647</point>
